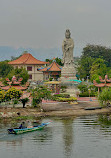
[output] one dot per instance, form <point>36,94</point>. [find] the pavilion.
<point>51,71</point>
<point>104,82</point>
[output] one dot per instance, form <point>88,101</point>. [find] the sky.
<point>38,26</point>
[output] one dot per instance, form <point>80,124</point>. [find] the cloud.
<point>42,23</point>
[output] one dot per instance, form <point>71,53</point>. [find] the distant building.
<point>31,64</point>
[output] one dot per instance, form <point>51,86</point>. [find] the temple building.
<point>31,64</point>
<point>103,83</point>
<point>52,71</point>
<point>14,83</point>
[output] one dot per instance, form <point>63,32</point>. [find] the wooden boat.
<point>28,129</point>
<point>92,108</point>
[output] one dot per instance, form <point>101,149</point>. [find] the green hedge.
<point>86,94</point>
<point>66,99</point>
<point>62,95</point>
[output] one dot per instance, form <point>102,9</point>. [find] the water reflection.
<point>68,136</point>
<point>82,137</point>
<point>105,120</point>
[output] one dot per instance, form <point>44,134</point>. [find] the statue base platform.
<point>68,75</point>
<point>71,85</point>
<point>68,72</point>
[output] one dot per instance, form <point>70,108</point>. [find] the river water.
<point>81,137</point>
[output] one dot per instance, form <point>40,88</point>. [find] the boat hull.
<point>25,130</point>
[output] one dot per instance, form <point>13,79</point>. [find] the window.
<point>29,68</point>
<point>30,76</point>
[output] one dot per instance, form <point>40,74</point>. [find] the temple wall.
<point>36,75</point>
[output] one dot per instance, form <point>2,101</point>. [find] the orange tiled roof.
<point>52,67</point>
<point>26,59</point>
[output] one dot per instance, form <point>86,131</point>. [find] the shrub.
<point>105,96</point>
<point>15,101</point>
<point>13,93</point>
<point>86,94</point>
<point>2,96</point>
<point>62,95</point>
<point>63,88</point>
<point>83,88</point>
<point>36,101</point>
<point>67,99</point>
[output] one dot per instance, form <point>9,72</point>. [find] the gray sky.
<point>42,23</point>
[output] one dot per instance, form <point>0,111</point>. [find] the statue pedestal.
<point>68,74</point>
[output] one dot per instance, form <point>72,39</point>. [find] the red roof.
<point>52,67</point>
<point>101,84</point>
<point>17,87</point>
<point>27,59</point>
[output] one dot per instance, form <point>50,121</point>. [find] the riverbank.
<point>54,110</point>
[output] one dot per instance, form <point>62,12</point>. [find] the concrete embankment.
<point>54,110</point>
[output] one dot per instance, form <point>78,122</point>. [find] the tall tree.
<point>5,68</point>
<point>98,51</point>
<point>85,67</point>
<point>58,60</point>
<point>98,68</point>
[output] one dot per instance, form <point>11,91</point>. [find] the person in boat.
<point>22,125</point>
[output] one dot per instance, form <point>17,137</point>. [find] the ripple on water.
<point>83,137</point>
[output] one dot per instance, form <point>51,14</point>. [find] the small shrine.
<point>15,83</point>
<point>51,71</point>
<point>104,82</point>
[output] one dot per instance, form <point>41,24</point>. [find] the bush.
<point>13,93</point>
<point>83,88</point>
<point>56,96</point>
<point>63,88</point>
<point>86,94</point>
<point>67,99</point>
<point>105,96</point>
<point>15,101</point>
<point>2,96</point>
<point>36,101</point>
<point>53,98</point>
<point>62,95</point>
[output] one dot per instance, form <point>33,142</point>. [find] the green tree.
<point>58,61</point>
<point>109,72</point>
<point>39,93</point>
<point>105,96</point>
<point>19,73</point>
<point>95,77</point>
<point>84,67</point>
<point>98,51</point>
<point>5,68</point>
<point>24,101</point>
<point>83,88</point>
<point>98,69</point>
